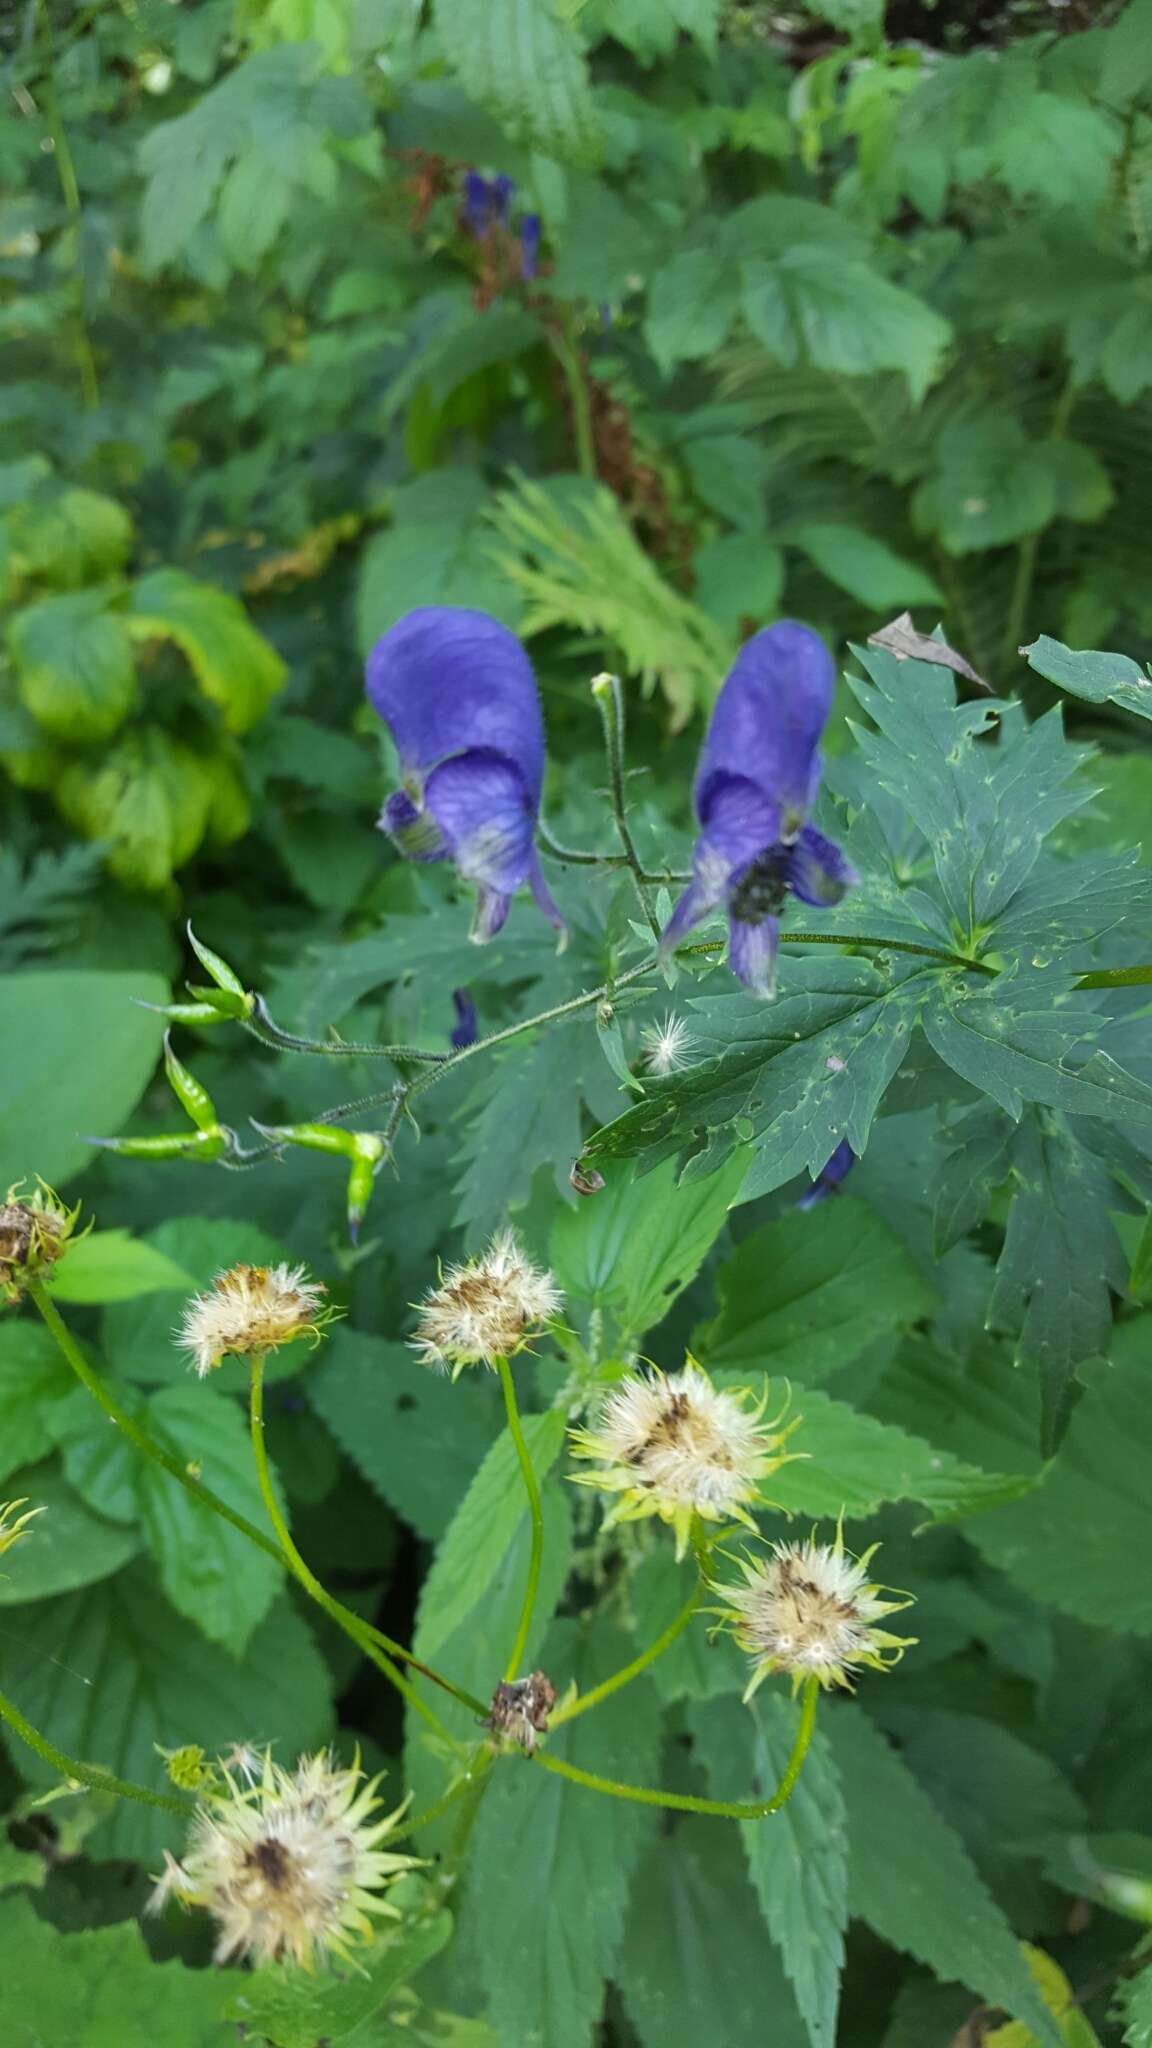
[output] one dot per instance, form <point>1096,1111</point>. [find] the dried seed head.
<point>289,1867</point>
<point>34,1231</point>
<point>520,1709</point>
<point>250,1309</point>
<point>810,1609</point>
<point>671,1444</point>
<point>484,1310</point>
<point>669,1046</point>
<point>12,1531</point>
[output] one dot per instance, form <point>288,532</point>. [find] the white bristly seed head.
<point>668,1047</point>
<point>486,1309</point>
<point>250,1309</point>
<point>288,1866</point>
<point>671,1444</point>
<point>811,1610</point>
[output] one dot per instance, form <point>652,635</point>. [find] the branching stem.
<point>630,1671</point>
<point>86,1774</point>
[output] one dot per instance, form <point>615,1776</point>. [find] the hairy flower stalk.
<point>484,1310</point>
<point>811,1610</point>
<point>458,694</point>
<point>758,774</point>
<point>251,1309</point>
<point>672,1445</point>
<point>290,1866</point>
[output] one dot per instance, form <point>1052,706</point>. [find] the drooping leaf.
<point>234,665</point>
<point>797,1858</point>
<point>910,1877</point>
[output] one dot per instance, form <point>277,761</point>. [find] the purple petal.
<point>740,822</point>
<point>481,805</point>
<point>830,1176</point>
<point>817,870</point>
<point>474,211</point>
<point>545,900</point>
<point>467,1023</point>
<point>768,720</point>
<point>446,680</point>
<point>412,831</point>
<point>530,229</point>
<point>752,950</point>
<point>489,915</point>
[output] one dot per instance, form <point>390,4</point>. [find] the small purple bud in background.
<point>827,1181</point>
<point>758,774</point>
<point>485,204</point>
<point>467,1027</point>
<point>458,694</point>
<point>530,231</point>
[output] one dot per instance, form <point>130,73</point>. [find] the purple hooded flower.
<point>827,1181</point>
<point>485,204</point>
<point>530,232</point>
<point>757,777</point>
<point>457,692</point>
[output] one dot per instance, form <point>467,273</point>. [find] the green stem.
<point>685,1802</point>
<point>630,1671</point>
<point>1024,578</point>
<point>86,1774</point>
<point>610,703</point>
<point>567,353</point>
<point>536,1511</point>
<point>374,1642</point>
<point>264,1027</point>
<point>431,1813</point>
<point>1117,977</point>
<point>361,1632</point>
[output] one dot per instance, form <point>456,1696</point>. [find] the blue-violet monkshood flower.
<point>485,204</point>
<point>827,1181</point>
<point>458,694</point>
<point>467,1029</point>
<point>531,229</point>
<point>758,775</point>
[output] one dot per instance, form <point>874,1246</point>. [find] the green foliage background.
<point>840,313</point>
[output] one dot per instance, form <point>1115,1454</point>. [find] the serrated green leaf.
<point>236,668</point>
<point>1018,1054</point>
<point>911,1880</point>
<point>1136,2010</point>
<point>696,1964</point>
<point>482,1529</point>
<point>795,1076</point>
<point>837,313</point>
<point>66,1546</point>
<point>524,65</point>
<point>101,1987</point>
<point>632,1248</point>
<point>209,1570</point>
<point>1064,1542</point>
<point>552,1862</point>
<point>435,552</point>
<point>74,660</point>
<point>692,302</point>
<point>67,537</point>
<point>254,204</point>
<point>150,1682</point>
<point>80,1051</point>
<point>850,1464</point>
<point>805,1295</point>
<point>1097,678</point>
<point>34,1379</point>
<point>797,1858</point>
<point>418,1438</point>
<point>293,2008</point>
<point>528,1117</point>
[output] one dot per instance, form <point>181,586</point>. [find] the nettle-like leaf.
<point>522,61</point>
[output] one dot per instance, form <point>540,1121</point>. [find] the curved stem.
<point>567,353</point>
<point>610,703</point>
<point>630,1671</point>
<point>361,1632</point>
<point>431,1813</point>
<point>536,1511</point>
<point>86,1774</point>
<point>684,1802</point>
<point>263,1026</point>
<point>372,1641</point>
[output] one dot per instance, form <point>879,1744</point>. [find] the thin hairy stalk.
<point>361,1632</point>
<point>610,704</point>
<point>447,1799</point>
<point>371,1640</point>
<point>630,1671</point>
<point>532,1489</point>
<point>857,939</point>
<point>263,1026</point>
<point>86,1774</point>
<point>685,1802</point>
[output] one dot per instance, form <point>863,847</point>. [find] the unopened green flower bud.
<point>228,995</point>
<point>189,1768</point>
<point>33,1234</point>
